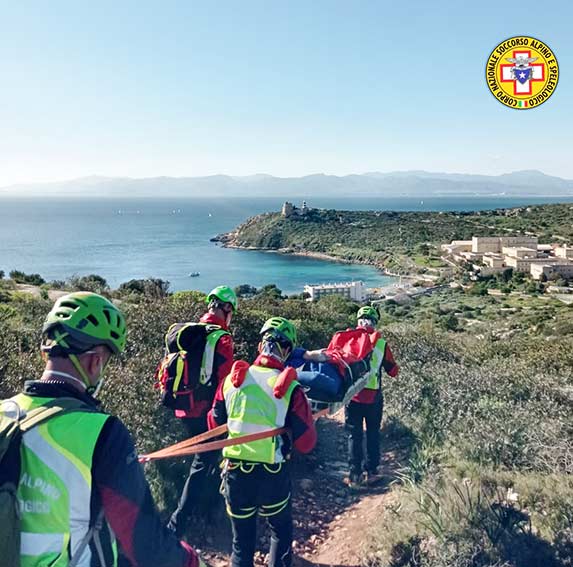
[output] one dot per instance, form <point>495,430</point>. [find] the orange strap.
<point>197,444</point>
<point>205,436</point>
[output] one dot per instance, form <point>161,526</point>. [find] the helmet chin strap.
<point>274,350</point>
<point>94,390</point>
<point>81,371</point>
<point>90,388</point>
<point>225,308</point>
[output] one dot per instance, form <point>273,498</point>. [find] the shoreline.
<point>410,278</point>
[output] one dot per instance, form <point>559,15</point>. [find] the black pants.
<point>201,482</point>
<point>355,415</point>
<point>259,489</point>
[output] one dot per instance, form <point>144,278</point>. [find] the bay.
<point>121,239</point>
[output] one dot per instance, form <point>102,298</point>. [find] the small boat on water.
<point>194,274</point>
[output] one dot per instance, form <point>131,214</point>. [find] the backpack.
<point>185,374</point>
<point>13,424</point>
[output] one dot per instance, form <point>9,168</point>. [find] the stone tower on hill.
<point>289,210</point>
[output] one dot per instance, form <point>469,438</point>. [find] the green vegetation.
<point>398,241</point>
<point>482,316</point>
<point>150,287</point>
<point>429,262</point>
<point>482,409</point>
<point>488,481</point>
<point>21,277</point>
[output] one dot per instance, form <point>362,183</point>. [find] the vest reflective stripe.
<point>55,485</point>
<point>78,488</point>
<point>252,408</point>
<point>376,365</point>
<point>209,355</point>
<point>246,428</point>
<point>39,544</point>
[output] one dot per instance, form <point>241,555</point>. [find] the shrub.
<point>245,290</point>
<point>449,322</point>
<point>22,278</point>
<point>151,287</point>
<point>92,282</point>
<point>500,406</point>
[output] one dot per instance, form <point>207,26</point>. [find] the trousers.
<point>258,489</point>
<point>201,483</point>
<point>356,415</point>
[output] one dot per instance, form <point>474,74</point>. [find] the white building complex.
<point>494,254</point>
<point>564,252</point>
<point>552,271</point>
<point>351,290</point>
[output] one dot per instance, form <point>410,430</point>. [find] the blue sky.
<point>142,88</point>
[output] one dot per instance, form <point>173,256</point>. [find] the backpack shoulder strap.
<point>212,328</point>
<point>92,533</point>
<point>214,335</point>
<point>54,407</point>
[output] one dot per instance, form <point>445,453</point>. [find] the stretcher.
<point>355,386</point>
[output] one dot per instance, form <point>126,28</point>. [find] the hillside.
<point>386,238</point>
<point>420,184</point>
<point>477,435</point>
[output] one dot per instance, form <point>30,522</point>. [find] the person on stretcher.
<point>326,374</point>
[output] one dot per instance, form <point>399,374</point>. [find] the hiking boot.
<point>372,475</point>
<point>354,480</point>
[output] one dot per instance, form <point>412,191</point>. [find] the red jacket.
<point>299,418</point>
<point>221,366</point>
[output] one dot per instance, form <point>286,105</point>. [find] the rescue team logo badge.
<point>522,72</point>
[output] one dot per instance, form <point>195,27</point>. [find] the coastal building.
<point>351,290</point>
<point>564,252</point>
<point>494,254</point>
<point>494,260</point>
<point>488,271</point>
<point>468,257</point>
<point>552,271</point>
<point>546,249</point>
<point>457,246</point>
<point>287,209</point>
<point>519,252</point>
<point>483,244</point>
<point>492,264</point>
<point>290,210</point>
<point>525,264</point>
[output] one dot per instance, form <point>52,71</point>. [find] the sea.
<point>122,239</point>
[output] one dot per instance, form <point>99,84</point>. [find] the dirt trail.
<point>330,521</point>
<point>343,538</point>
<point>347,534</point>
<point>36,291</point>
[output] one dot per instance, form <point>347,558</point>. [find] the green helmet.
<point>223,293</point>
<point>82,320</point>
<point>280,327</point>
<point>368,312</point>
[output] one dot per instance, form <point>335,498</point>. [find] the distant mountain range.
<point>394,184</point>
